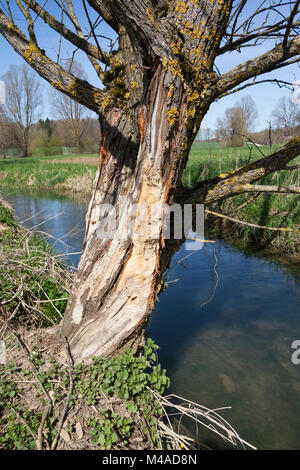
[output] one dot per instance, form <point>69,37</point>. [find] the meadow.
<point>68,172</point>
<point>266,210</point>
<point>75,174</point>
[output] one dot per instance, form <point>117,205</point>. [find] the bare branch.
<point>78,89</point>
<point>290,23</point>
<point>76,39</point>
<point>275,58</point>
<point>239,181</point>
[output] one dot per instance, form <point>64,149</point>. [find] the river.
<point>225,334</point>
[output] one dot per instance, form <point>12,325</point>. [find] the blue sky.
<point>266,96</point>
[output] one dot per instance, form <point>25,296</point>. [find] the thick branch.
<point>257,66</point>
<point>239,181</point>
<point>80,90</point>
<point>244,40</point>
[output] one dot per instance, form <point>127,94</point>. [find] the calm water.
<point>224,345</point>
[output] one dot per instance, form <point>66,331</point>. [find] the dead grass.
<point>78,184</point>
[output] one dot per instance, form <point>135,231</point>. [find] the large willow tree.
<point>155,88</point>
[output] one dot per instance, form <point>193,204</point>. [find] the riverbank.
<point>68,173</point>
<point>46,401</point>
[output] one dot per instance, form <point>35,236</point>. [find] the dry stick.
<point>200,241</point>
<point>24,423</point>
<point>67,254</point>
<point>51,300</point>
<point>47,220</point>
<point>40,436</point>
<point>295,167</point>
<point>34,369</point>
<point>5,322</point>
<point>65,410</point>
<point>53,238</point>
<point>242,222</point>
<point>29,308</point>
<point>217,423</point>
<point>247,137</point>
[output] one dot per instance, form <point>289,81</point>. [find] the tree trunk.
<point>115,289</point>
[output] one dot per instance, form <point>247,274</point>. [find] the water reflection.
<point>55,214</point>
<point>236,350</point>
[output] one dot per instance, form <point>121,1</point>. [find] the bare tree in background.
<point>23,100</point>
<point>249,111</point>
<point>287,115</point>
<point>237,123</point>
<point>156,84</point>
<point>7,133</point>
<point>72,114</point>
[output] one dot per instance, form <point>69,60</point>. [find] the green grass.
<point>271,210</point>
<point>43,172</point>
<point>34,285</point>
<point>205,161</point>
<point>209,161</point>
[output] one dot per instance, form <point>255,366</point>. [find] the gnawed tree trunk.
<point>116,283</point>
<point>144,150</point>
<point>143,153</point>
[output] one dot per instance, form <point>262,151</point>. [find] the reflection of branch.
<point>216,284</point>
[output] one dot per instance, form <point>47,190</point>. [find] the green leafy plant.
<point>130,377</point>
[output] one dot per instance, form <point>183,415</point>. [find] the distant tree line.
<point>22,130</point>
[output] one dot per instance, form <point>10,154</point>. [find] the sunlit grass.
<point>45,172</point>
<point>271,210</point>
